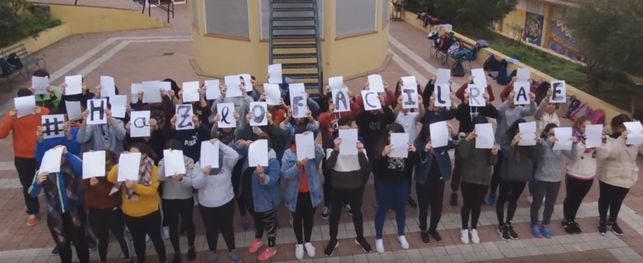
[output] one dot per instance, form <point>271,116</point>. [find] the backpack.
<point>5,67</point>
<point>582,110</point>
<point>541,90</point>
<point>14,60</point>
<point>491,64</point>
<point>572,105</point>
<point>458,69</point>
<point>503,78</point>
<point>597,116</point>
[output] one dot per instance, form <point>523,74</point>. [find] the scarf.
<point>144,175</point>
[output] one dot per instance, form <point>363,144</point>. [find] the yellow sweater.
<point>149,199</point>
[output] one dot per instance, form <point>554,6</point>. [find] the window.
<point>226,17</point>
<point>355,16</point>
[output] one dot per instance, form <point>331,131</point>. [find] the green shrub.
<point>18,22</point>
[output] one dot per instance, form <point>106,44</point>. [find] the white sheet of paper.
<point>375,83</point>
<point>593,135</point>
<point>409,81</point>
<point>258,153</point>
<point>400,143</point>
<point>226,115</point>
<point>484,136</point>
<point>184,113</point>
<point>39,84</point>
<point>139,124</point>
<point>74,111</point>
<point>348,146</point>
<point>173,162</point>
<point>190,91</point>
<point>442,94</point>
<point>93,164</point>
<point>107,86</point>
<point>209,154</point>
<point>371,100</point>
<point>233,86</point>
<point>273,94</point>
<point>53,125</point>
<point>98,115</point>
<point>341,100</point>
<point>563,138</point>
<point>527,133</point>
<point>212,89</point>
<point>74,85</point>
<point>521,93</point>
<point>559,91</point>
<point>128,166</point>
<point>275,74</point>
<point>439,134</point>
<point>476,95</point>
<point>165,85</point>
<point>119,105</point>
<point>409,97</point>
<point>523,74</point>
<point>336,82</point>
<point>51,160</point>
<point>24,105</point>
<point>135,88</point>
<point>305,143</point>
<point>258,113</point>
<point>152,91</point>
<point>479,77</point>
<point>634,133</point>
<point>247,80</point>
<point>298,100</point>
<point>443,76</point>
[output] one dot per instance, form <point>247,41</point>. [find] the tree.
<point>609,33</point>
<point>470,14</point>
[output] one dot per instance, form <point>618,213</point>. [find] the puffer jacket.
<point>617,163</point>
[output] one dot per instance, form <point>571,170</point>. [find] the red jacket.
<point>23,131</point>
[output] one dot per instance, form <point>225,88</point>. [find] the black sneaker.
<point>425,236</point>
<point>602,228</point>
<point>504,233</point>
<point>361,242</point>
<point>567,226</point>
<point>510,230</point>
<point>616,229</point>
<point>177,257</point>
<point>453,201</point>
<point>191,253</point>
<point>435,235</point>
<point>411,202</point>
<point>330,248</point>
<point>575,228</point>
<point>55,250</point>
<point>91,243</point>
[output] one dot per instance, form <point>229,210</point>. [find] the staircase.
<point>294,42</point>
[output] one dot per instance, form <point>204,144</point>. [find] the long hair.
<point>386,140</point>
<point>617,122</point>
<point>522,151</point>
<point>546,130</point>
<point>144,149</point>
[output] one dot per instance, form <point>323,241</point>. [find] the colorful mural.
<point>562,42</point>
<point>534,28</point>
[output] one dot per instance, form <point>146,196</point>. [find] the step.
<point>293,9</point>
<point>294,36</point>
<point>289,46</point>
<point>292,1</point>
<point>295,27</point>
<point>293,18</point>
<point>298,65</point>
<point>294,55</point>
<point>300,76</point>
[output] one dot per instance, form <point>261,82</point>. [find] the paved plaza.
<point>134,56</point>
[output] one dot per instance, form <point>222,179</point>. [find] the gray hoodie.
<point>174,190</point>
<point>215,189</point>
<point>548,167</point>
<point>103,136</point>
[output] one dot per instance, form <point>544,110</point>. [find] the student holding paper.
<point>156,140</point>
<point>391,189</point>
<point>409,119</point>
<point>140,203</point>
<point>216,200</point>
<point>65,215</point>
<point>191,139</point>
<point>372,127</point>
<point>104,211</point>
<point>23,134</point>
<point>109,136</point>
<point>581,171</point>
<point>518,163</point>
<point>475,182</point>
<point>617,173</point>
<point>547,179</point>
<point>302,194</point>
<point>178,201</point>
<point>51,100</point>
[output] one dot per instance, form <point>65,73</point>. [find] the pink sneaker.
<point>32,220</point>
<point>254,246</point>
<point>267,254</point>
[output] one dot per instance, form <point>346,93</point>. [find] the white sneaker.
<point>464,236</point>
<point>403,242</point>
<point>379,245</point>
<point>310,249</point>
<point>299,251</point>
<point>474,236</point>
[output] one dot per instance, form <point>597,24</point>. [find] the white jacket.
<point>583,166</point>
<point>617,163</point>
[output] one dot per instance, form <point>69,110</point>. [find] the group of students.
<point>331,180</point>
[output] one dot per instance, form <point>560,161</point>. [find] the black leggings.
<point>172,209</point>
<point>103,221</point>
<point>302,218</point>
<point>430,194</point>
<point>236,182</point>
<point>26,168</point>
<point>219,220</point>
<point>509,192</point>
<point>610,198</point>
<point>327,183</point>
<point>268,222</point>
<point>149,225</point>
<point>354,197</point>
<point>472,199</point>
<point>548,190</point>
<point>576,190</point>
<point>495,176</point>
<point>65,232</point>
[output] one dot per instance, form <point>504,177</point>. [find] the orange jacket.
<point>23,131</point>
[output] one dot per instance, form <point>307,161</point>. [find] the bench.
<point>28,61</point>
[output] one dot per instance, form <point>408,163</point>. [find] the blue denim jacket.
<point>292,175</point>
<point>266,196</point>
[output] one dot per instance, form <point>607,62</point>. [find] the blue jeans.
<point>390,195</point>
